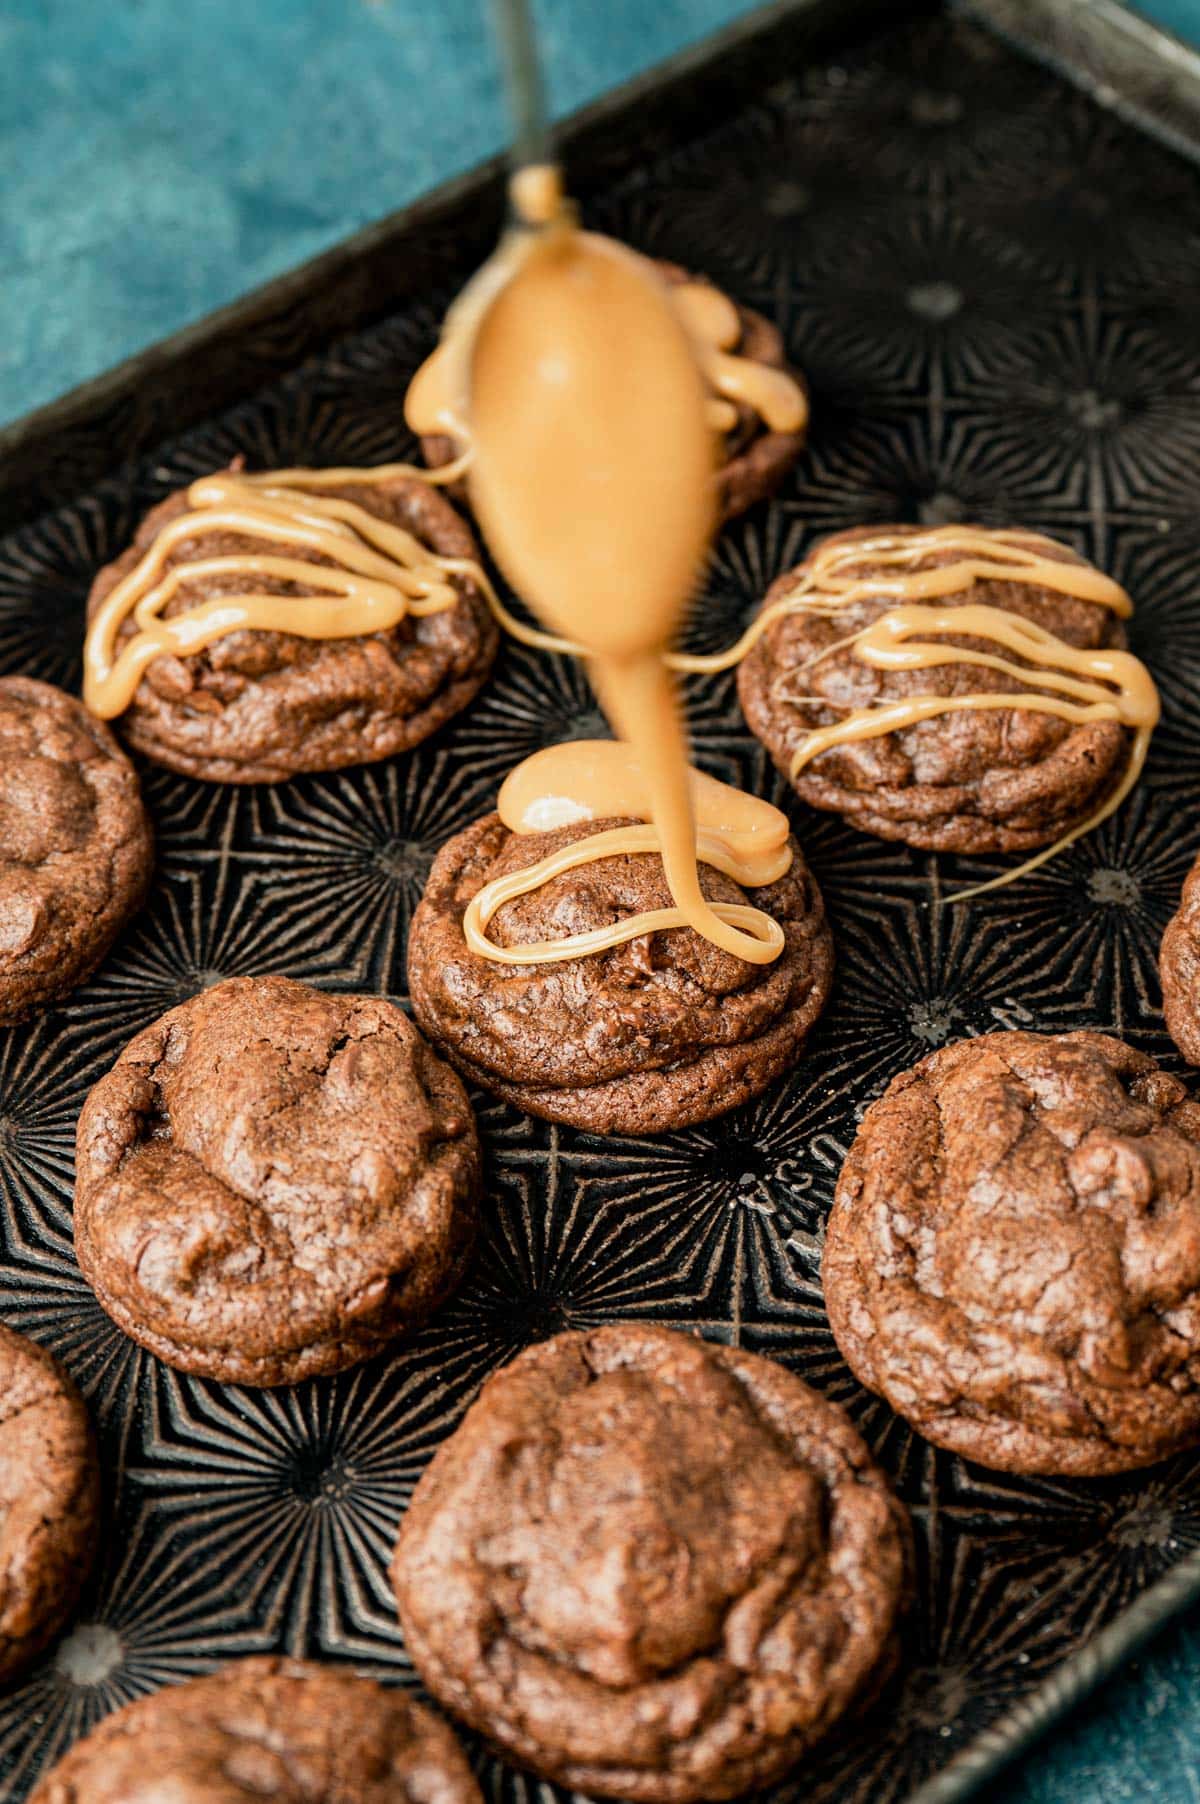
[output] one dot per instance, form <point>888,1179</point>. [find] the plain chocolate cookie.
<point>286,1730</point>
<point>992,780</point>
<point>1179,968</point>
<point>651,1567</point>
<point>272,1182</point>
<point>755,459</point>
<point>76,850</point>
<point>49,1499</point>
<point>660,1033</point>
<point>256,707</point>
<point>1013,1257</point>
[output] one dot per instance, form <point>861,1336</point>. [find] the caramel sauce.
<point>436,403</point>
<point>592,478</point>
<point>376,575</point>
<point>598,779</point>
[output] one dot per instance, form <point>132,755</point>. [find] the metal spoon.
<point>523,81</point>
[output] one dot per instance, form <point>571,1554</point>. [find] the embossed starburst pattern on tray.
<point>975,265</point>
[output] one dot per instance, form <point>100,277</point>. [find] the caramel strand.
<point>376,574</point>
<point>584,780</point>
<point>593,485</point>
<point>824,591</point>
<point>1137,760</point>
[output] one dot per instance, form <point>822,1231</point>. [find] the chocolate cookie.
<point>287,1730</point>
<point>49,1499</point>
<point>76,851</point>
<point>272,1183</point>
<point>1179,968</point>
<point>755,459</point>
<point>662,1032</point>
<point>256,707</point>
<point>968,781</point>
<point>1013,1257</point>
<point>651,1567</point>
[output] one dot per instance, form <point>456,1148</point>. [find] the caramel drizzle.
<point>826,589</point>
<point>829,585</point>
<point>436,402</point>
<point>376,575</point>
<point>583,780</point>
<point>1111,685</point>
<point>712,323</point>
<point>1076,685</point>
<point>1083,685</point>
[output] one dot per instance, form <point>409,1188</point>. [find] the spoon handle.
<point>523,78</point>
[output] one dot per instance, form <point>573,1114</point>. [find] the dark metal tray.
<point>991,282</point>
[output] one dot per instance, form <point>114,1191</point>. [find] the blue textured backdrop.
<point>160,159</point>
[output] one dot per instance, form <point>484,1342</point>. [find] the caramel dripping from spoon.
<point>436,405</point>
<point>592,480</point>
<point>598,779</point>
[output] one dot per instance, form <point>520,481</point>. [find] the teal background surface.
<point>160,159</point>
<point>1179,16</point>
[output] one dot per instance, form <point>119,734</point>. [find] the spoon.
<point>523,81</point>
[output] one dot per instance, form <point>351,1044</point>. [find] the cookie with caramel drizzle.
<point>548,960</point>
<point>290,620</point>
<point>959,688</point>
<point>758,405</point>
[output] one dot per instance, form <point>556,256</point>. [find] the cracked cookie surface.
<point>289,1730</point>
<point>1179,968</point>
<point>49,1499</point>
<point>76,850</point>
<point>662,1032</point>
<point>1013,1256</point>
<point>273,1182</point>
<point>651,1567</point>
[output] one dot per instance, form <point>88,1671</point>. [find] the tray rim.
<point>611,129</point>
<point>1139,70</point>
<point>1125,62</point>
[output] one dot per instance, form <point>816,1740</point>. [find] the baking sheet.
<point>987,279</point>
